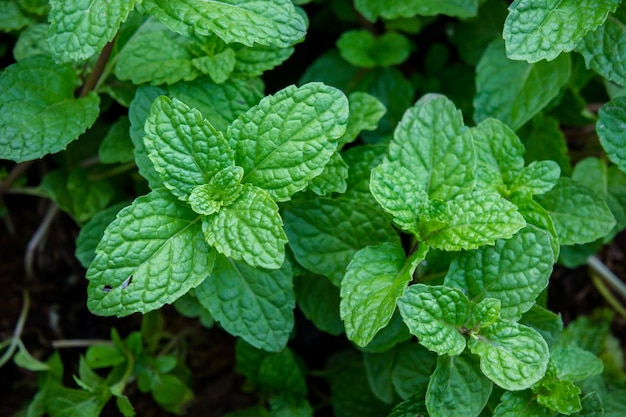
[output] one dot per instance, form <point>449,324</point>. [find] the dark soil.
<point>58,312</point>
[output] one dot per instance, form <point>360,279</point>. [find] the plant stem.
<point>93,80</point>
<point>15,173</point>
<point>34,242</point>
<point>607,275</point>
<point>19,327</point>
<point>79,343</point>
<point>606,293</point>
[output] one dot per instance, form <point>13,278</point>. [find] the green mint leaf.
<point>593,407</point>
<point>290,406</point>
<point>288,138</point>
<point>270,23</point>
<point>436,315</point>
<point>325,234</point>
<point>253,62</point>
<point>375,278</point>
<point>547,323</point>
<point>38,112</point>
<point>222,190</point>
<point>499,152</point>
<point>515,91</point>
<point>389,336</point>
<point>604,47</point>
<point>185,149</point>
<point>138,112</point>
<point>372,9</point>
<point>611,119</point>
<point>132,271</point>
<point>534,31</point>
<point>537,178</point>
<point>514,271</point>
<point>575,364</point>
<point>116,145</point>
<point>588,332</point>
<point>579,215</point>
<point>457,380</point>
<point>361,160</point>
<point>62,401</point>
<point>378,368</point>
<point>560,396</point>
<point>609,183</point>
<point>12,17</point>
<point>486,312</point>
<point>432,142</point>
<point>361,49</point>
<point>520,404</point>
<point>536,215</point>
<point>411,407</point>
<point>544,140</point>
<point>156,55</point>
<point>280,371</point>
<point>267,319</point>
<point>218,66</point>
<point>332,179</point>
<point>511,355</point>
<point>81,28</point>
<point>400,193</point>
<point>310,289</point>
<point>221,103</point>
<point>475,219</point>
<point>249,229</point>
<point>412,370</point>
<point>365,113</point>
<point>91,233</point>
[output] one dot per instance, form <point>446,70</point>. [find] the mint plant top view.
<point>404,177</point>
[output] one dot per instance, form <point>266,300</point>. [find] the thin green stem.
<point>19,328</point>
<point>35,241</point>
<point>98,74</point>
<point>79,343</point>
<point>598,267</point>
<point>606,293</point>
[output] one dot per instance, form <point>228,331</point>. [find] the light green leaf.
<point>412,370</point>
<point>486,312</point>
<point>544,140</point>
<point>499,152</point>
<point>310,289</point>
<point>605,47</point>
<point>514,91</point>
<point>185,149</point>
<point>610,128</point>
<point>38,112</point>
<point>536,30</point>
<point>536,215</point>
<point>288,138</point>
<point>218,66</point>
<point>116,145</point>
<point>537,178</point>
<point>575,364</point>
<point>436,315</point>
<point>391,9</point>
<point>476,219</point>
<point>400,194</point>
<point>68,402</point>
<point>132,271</point>
<point>514,271</point>
<point>221,103</point>
<point>138,113</point>
<point>457,388</point>
<point>91,233</point>
<point>375,278</point>
<point>361,160</point>
<point>222,190</point>
<point>325,234</point>
<point>365,113</point>
<point>546,322</point>
<point>332,179</point>
<point>520,404</point>
<point>156,55</point>
<point>560,396</point>
<point>389,336</point>
<point>432,142</point>
<point>270,23</point>
<point>360,48</point>
<point>81,28</point>
<point>579,215</point>
<point>250,230</point>
<point>254,61</point>
<point>511,355</point>
<point>253,304</point>
<point>32,41</point>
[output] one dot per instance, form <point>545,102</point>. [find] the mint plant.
<point>410,197</point>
